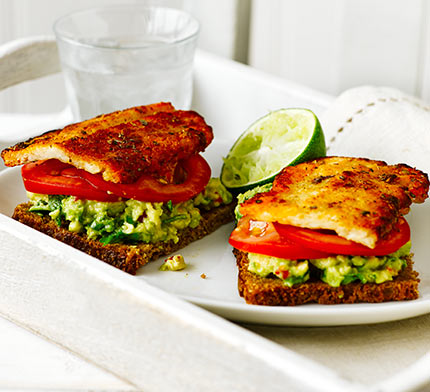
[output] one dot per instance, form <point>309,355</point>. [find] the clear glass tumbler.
<point>115,57</point>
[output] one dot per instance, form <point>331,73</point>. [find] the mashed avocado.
<point>336,270</point>
<point>290,271</point>
<point>339,269</point>
<point>174,263</point>
<point>129,221</point>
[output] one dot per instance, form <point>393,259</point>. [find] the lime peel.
<point>281,138</point>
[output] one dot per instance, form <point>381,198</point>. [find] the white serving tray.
<point>142,334</point>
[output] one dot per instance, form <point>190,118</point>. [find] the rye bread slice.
<point>272,291</point>
<point>127,258</point>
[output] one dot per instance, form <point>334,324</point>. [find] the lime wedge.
<point>281,138</point>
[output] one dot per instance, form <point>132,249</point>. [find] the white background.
<point>330,45</point>
<point>224,31</point>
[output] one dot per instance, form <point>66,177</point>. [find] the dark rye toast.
<point>273,292</point>
<point>128,258</point>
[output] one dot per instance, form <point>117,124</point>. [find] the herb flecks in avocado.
<point>336,270</point>
<point>340,270</point>
<point>130,221</point>
<point>290,271</point>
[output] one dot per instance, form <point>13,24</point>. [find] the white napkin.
<point>379,123</point>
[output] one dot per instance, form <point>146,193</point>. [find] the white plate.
<point>217,292</point>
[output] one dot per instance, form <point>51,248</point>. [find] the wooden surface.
<point>379,352</point>
<point>30,362</point>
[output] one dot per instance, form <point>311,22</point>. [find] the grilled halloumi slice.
<point>122,145</point>
<point>358,198</point>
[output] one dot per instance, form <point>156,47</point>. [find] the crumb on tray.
<point>173,263</point>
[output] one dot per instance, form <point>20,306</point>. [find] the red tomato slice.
<point>57,178</point>
<point>146,188</point>
<point>262,238</point>
<point>53,177</point>
<point>334,244</point>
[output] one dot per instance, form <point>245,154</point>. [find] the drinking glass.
<point>115,57</point>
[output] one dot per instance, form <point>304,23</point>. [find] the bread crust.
<point>128,258</point>
<point>272,291</point>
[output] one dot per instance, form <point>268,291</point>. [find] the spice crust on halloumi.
<point>122,145</point>
<point>360,199</point>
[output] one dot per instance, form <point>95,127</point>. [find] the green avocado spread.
<point>129,221</point>
<point>290,271</point>
<point>336,270</point>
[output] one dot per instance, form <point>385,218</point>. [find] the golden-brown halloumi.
<point>122,145</point>
<point>358,198</point>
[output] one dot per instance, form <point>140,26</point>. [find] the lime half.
<point>281,138</point>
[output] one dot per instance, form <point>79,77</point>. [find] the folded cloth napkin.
<point>379,123</point>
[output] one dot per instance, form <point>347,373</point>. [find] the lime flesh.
<point>281,138</point>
